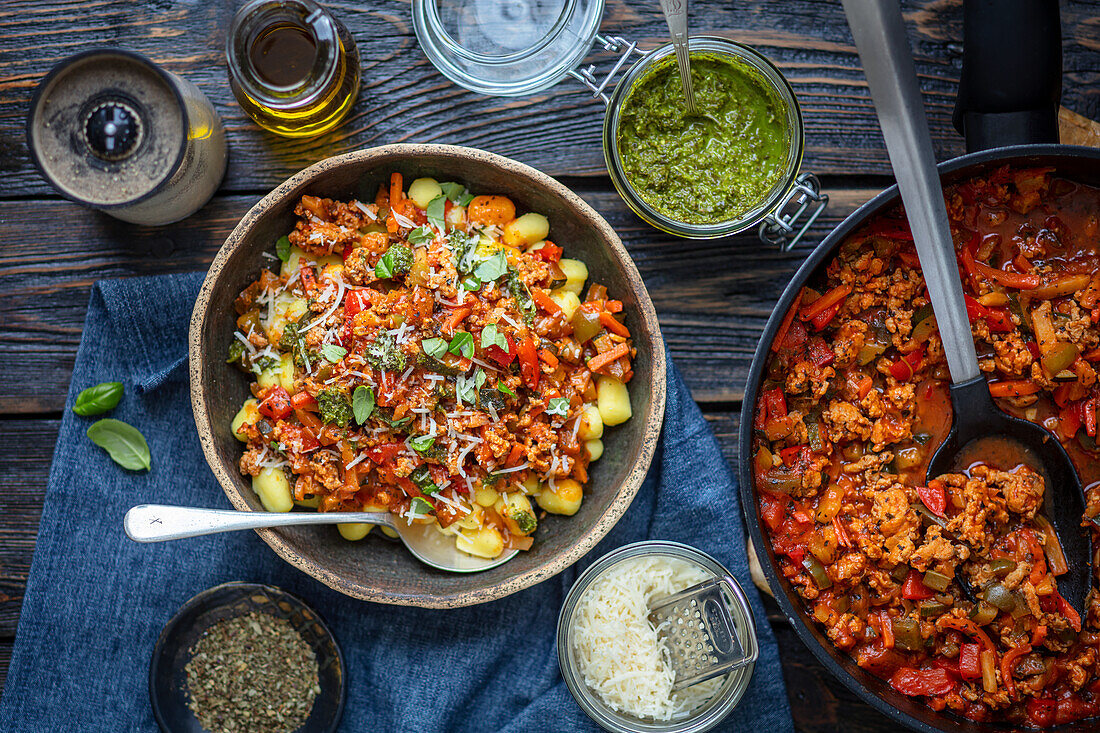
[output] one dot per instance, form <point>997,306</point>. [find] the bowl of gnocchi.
<point>436,332</point>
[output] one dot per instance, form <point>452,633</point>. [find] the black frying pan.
<point>1007,109</point>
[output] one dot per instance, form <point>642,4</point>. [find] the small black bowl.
<point>168,679</point>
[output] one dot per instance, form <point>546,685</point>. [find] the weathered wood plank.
<point>405,99</point>
<point>712,297</point>
<point>24,467</point>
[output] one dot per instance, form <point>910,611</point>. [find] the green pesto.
<point>710,168</point>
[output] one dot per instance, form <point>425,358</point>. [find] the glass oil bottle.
<point>293,66</point>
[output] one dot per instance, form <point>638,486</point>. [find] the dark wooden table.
<point>712,297</point>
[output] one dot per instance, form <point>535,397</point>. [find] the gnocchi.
<point>613,401</point>
<point>576,274</point>
<point>563,498</point>
<point>272,487</point>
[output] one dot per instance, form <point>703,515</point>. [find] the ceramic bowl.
<point>168,667</point>
<point>374,569</point>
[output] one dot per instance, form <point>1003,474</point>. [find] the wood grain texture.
<point>405,99</point>
<point>712,297</point>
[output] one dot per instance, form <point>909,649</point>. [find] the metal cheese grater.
<point>700,633</point>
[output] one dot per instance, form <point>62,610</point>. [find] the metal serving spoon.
<point>158,522</point>
<point>676,15</point>
<point>888,64</point>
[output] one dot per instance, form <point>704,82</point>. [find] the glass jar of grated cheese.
<point>609,654</point>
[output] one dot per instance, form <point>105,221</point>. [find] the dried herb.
<point>252,673</point>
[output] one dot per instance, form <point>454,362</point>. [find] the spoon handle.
<point>676,15</point>
<point>158,522</point>
<point>888,64</point>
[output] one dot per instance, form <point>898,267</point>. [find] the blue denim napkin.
<point>96,602</point>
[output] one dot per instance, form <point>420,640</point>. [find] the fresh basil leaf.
<point>333,353</point>
<point>101,398</point>
<point>282,248</point>
<point>397,261</point>
<point>422,443</point>
<point>384,268</point>
<point>124,443</point>
<point>362,403</point>
<point>462,345</point>
<point>420,507</point>
<point>434,347</point>
<point>456,192</point>
<point>469,282</point>
<point>492,268</point>
<point>479,377</point>
<point>504,389</point>
<point>465,199</point>
<point>558,406</point>
<point>490,336</point>
<point>436,210</point>
<point>420,235</point>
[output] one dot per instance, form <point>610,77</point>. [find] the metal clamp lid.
<point>587,76</point>
<point>784,226</point>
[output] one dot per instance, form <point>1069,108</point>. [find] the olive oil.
<point>293,67</point>
<point>283,54</point>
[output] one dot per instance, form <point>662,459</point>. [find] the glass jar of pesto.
<point>736,168</point>
<point>732,166</point>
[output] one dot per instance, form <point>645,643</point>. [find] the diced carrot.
<point>865,384</point>
<point>614,306</point>
<point>599,361</point>
<point>781,334</point>
<point>1013,388</point>
<point>825,302</point>
<point>887,630</point>
<point>544,301</point>
<point>457,316</point>
<point>608,321</point>
<point>515,454</point>
<point>547,357</point>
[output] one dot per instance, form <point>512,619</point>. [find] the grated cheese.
<point>619,653</point>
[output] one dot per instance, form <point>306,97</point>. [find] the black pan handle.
<point>1011,79</point>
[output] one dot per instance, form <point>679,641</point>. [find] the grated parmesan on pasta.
<point>618,651</point>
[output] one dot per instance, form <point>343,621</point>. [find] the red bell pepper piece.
<point>819,352</point>
<point>549,252</point>
<point>904,368</point>
<point>912,682</point>
<point>771,510</point>
<point>383,453</point>
<point>970,666</point>
<point>276,404</point>
<point>528,362</point>
<point>997,319</point>
<point>914,588</point>
<point>1040,711</point>
<point>934,497</point>
<point>821,320</point>
<point>298,439</point>
<point>303,401</point>
<point>499,355</point>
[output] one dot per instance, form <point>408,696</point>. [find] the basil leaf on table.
<point>98,399</point>
<point>124,443</point>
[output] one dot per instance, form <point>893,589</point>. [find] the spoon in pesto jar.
<point>159,522</point>
<point>676,15</point>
